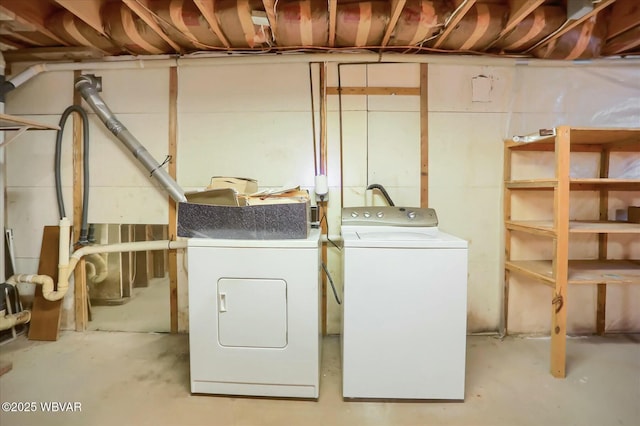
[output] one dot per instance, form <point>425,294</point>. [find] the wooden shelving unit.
<point>20,125</point>
<point>560,271</point>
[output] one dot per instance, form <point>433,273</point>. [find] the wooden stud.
<point>601,301</point>
<point>396,9</point>
<point>80,276</point>
<point>454,20</point>
<point>323,210</point>
<point>424,135</point>
<point>375,91</point>
<point>507,237</point>
<point>561,254</point>
<point>173,222</point>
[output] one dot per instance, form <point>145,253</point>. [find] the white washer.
<point>254,316</point>
<point>405,294</point>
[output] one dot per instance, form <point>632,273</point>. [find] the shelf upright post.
<point>507,236</point>
<point>561,252</point>
<point>601,304</point>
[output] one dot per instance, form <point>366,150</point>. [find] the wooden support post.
<point>126,259</point>
<point>507,241</point>
<point>323,210</point>
<point>424,135</point>
<point>561,254</point>
<point>80,276</point>
<point>601,298</point>
<point>172,258</point>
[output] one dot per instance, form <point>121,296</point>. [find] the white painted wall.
<point>255,121</point>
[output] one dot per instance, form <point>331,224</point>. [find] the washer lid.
<point>399,237</point>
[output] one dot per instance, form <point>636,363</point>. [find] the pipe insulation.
<point>88,88</point>
<point>11,320</point>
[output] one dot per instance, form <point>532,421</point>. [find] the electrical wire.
<point>324,217</point>
<point>333,287</point>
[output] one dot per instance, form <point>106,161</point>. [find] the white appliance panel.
<point>252,313</point>
<point>291,369</point>
<point>404,319</point>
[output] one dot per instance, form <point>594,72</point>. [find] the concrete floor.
<point>123,378</point>
<point>147,311</point>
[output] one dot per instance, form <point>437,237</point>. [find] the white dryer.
<point>254,316</point>
<point>404,306</point>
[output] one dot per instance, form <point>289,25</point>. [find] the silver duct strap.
<point>88,88</point>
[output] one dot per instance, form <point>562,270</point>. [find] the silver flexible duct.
<point>88,88</point>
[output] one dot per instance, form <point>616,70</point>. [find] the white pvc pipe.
<point>65,272</point>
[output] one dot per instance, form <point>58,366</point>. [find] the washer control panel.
<point>389,216</point>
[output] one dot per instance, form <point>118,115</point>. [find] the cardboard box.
<point>633,214</point>
<point>241,185</point>
<point>202,216</point>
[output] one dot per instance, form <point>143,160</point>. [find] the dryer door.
<point>252,313</point>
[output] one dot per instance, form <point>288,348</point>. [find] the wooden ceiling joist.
<point>207,8</point>
<point>463,6</point>
<point>625,14</point>
<point>29,13</point>
<point>333,8</point>
<point>597,8</point>
<point>141,8</point>
<point>519,10</point>
<point>270,9</point>
<point>396,9</point>
<point>87,11</point>
<point>624,42</point>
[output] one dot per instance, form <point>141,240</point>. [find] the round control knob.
<point>411,215</point>
<point>354,214</point>
<point>380,215</point>
<point>367,214</point>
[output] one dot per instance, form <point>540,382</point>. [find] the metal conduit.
<point>88,87</point>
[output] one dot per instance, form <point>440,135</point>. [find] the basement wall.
<point>256,121</point>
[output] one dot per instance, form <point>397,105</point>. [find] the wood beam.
<point>625,14</point>
<point>597,8</point>
<point>463,8</point>
<point>141,8</point>
<point>80,276</point>
<point>375,91</point>
<point>624,42</point>
<point>519,10</point>
<point>396,9</point>
<point>424,135</point>
<point>173,222</point>
<point>31,14</point>
<point>323,208</point>
<point>333,10</point>
<point>86,11</point>
<point>270,9</point>
<point>207,8</point>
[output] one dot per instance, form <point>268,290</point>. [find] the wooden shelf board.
<point>11,122</point>
<point>575,226</point>
<point>594,184</point>
<point>623,139</point>
<point>582,271</point>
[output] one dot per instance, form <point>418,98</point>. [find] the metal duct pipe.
<point>88,88</point>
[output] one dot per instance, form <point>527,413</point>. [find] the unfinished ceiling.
<point>552,29</point>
